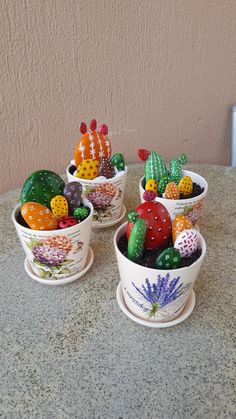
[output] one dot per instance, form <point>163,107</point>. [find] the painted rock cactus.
<point>136,240</point>
<point>67,221</point>
<point>151,185</point>
<point>180,223</point>
<point>175,168</point>
<point>187,242</point>
<point>168,259</point>
<point>88,169</point>
<point>81,213</point>
<point>72,193</point>
<point>41,187</point>
<point>118,161</point>
<point>38,217</point>
<point>171,191</point>
<point>185,185</point>
<point>59,206</point>
<point>106,169</point>
<point>155,167</point>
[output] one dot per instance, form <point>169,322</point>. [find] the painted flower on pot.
<point>101,197</point>
<point>160,293</point>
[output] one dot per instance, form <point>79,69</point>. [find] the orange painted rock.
<point>88,169</point>
<point>171,191</point>
<point>38,217</point>
<point>180,223</point>
<point>185,185</point>
<point>59,206</point>
<point>151,185</point>
<point>92,145</point>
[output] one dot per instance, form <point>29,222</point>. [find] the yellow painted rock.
<point>180,223</point>
<point>38,217</point>
<point>151,185</point>
<point>171,191</point>
<point>88,169</point>
<point>59,206</point>
<point>185,185</point>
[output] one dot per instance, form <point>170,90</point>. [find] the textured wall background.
<point>161,74</point>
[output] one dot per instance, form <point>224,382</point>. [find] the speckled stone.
<point>70,352</point>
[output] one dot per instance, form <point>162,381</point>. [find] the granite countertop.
<point>69,351</point>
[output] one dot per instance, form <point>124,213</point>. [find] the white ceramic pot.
<point>146,290</point>
<point>56,254</point>
<point>182,206</point>
<point>112,191</point>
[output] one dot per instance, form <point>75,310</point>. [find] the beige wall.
<point>160,73</point>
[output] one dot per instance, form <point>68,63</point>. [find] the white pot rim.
<point>92,181</point>
<point>64,230</point>
<point>185,173</point>
<point>144,268</point>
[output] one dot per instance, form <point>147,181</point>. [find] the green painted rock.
<point>81,213</point>
<point>136,240</point>
<point>155,167</point>
<point>175,168</point>
<point>118,161</point>
<point>168,259</point>
<point>163,182</point>
<point>41,187</point>
<point>133,216</point>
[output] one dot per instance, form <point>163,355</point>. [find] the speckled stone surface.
<point>70,352</point>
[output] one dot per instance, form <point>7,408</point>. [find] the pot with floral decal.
<point>158,262</point>
<point>55,241</point>
<point>180,191</point>
<point>102,175</point>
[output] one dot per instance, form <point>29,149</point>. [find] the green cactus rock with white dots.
<point>136,240</point>
<point>118,161</point>
<point>168,259</point>
<point>163,182</point>
<point>155,167</point>
<point>175,168</point>
<point>41,187</point>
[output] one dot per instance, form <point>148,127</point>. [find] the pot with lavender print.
<point>101,174</point>
<point>157,273</point>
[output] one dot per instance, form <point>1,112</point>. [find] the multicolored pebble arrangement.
<point>49,204</point>
<point>93,154</point>
<point>170,184</point>
<point>149,227</point>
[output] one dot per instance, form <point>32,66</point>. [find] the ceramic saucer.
<point>112,223</point>
<point>62,281</point>
<point>183,316</point>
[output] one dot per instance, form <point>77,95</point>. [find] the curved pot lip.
<point>65,230</point>
<point>144,268</point>
<point>183,201</point>
<point>92,181</point>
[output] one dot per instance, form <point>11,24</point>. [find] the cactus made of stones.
<point>155,167</point>
<point>136,240</point>
<point>175,168</point>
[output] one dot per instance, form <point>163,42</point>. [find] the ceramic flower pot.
<point>191,206</point>
<point>106,196</point>
<point>153,294</point>
<point>55,254</point>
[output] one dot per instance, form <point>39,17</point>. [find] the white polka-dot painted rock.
<point>187,242</point>
<point>168,259</point>
<point>72,192</point>
<point>41,187</point>
<point>136,240</point>
<point>38,217</point>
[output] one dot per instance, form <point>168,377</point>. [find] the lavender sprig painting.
<point>161,292</point>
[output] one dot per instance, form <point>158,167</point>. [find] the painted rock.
<point>106,169</point>
<point>118,161</point>
<point>163,182</point>
<point>185,185</point>
<point>136,240</point>
<point>81,213</point>
<point>180,223</point>
<point>143,154</point>
<point>41,187</point>
<point>67,221</point>
<point>88,169</point>
<point>149,195</point>
<point>158,224</point>
<point>187,242</point>
<point>168,259</point>
<point>151,185</point>
<point>72,192</point>
<point>92,145</point>
<point>171,191</point>
<point>59,206</point>
<point>38,216</point>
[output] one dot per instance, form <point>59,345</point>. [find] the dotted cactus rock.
<point>155,167</point>
<point>151,185</point>
<point>59,206</point>
<point>81,213</point>
<point>168,259</point>
<point>38,217</point>
<point>149,196</point>
<point>88,169</point>
<point>171,191</point>
<point>118,161</point>
<point>163,182</point>
<point>106,169</point>
<point>41,187</point>
<point>72,193</point>
<point>180,223</point>
<point>175,168</point>
<point>136,240</point>
<point>185,185</point>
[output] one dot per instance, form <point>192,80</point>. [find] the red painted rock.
<point>65,222</point>
<point>187,242</point>
<point>38,217</point>
<point>158,224</point>
<point>149,195</point>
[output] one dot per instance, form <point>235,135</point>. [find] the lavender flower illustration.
<point>161,293</point>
